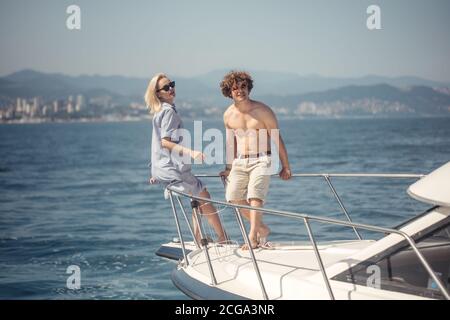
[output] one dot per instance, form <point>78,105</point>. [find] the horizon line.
<point>445,82</point>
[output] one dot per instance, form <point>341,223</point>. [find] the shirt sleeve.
<point>169,124</point>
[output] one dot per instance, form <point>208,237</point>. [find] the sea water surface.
<point>77,194</point>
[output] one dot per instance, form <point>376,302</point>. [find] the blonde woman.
<point>165,166</point>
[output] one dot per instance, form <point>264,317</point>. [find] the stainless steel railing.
<point>327,177</point>
<point>305,218</point>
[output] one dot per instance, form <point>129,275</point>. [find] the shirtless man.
<point>250,126</point>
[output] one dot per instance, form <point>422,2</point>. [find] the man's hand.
<point>225,173</point>
<point>285,173</point>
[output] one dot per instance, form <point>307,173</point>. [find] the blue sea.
<point>77,194</point>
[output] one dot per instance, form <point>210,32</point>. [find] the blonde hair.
<point>150,97</point>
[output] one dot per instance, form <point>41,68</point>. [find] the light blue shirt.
<point>164,166</point>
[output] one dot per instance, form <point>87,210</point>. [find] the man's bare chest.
<point>245,121</point>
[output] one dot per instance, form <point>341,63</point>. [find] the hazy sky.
<point>191,37</point>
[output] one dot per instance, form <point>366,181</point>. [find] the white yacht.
<point>410,261</point>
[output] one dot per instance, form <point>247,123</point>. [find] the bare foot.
<point>263,233</point>
<point>253,242</point>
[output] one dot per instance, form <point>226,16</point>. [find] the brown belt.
<point>258,155</point>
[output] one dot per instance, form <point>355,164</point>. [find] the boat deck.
<point>281,267</point>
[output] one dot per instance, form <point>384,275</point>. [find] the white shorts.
<point>249,179</point>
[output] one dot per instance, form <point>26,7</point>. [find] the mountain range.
<point>274,88</point>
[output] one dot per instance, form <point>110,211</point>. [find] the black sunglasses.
<point>167,86</point>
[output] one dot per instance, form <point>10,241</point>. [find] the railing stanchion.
<point>188,223</point>
<point>252,254</point>
<point>327,179</point>
<point>203,241</point>
<point>319,259</point>
<point>186,261</point>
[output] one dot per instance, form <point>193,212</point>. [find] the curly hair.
<point>232,78</point>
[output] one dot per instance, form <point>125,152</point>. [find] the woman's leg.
<point>207,209</point>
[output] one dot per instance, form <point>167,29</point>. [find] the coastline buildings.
<point>104,107</point>
<point>72,108</point>
<point>28,109</point>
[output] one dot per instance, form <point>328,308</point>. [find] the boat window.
<point>400,270</point>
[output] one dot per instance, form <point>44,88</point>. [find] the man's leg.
<point>246,214</point>
<point>236,192</point>
<point>258,186</point>
<point>255,219</point>
<point>255,222</point>
<point>258,230</point>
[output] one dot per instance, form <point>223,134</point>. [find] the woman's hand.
<point>153,180</point>
<point>197,155</point>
